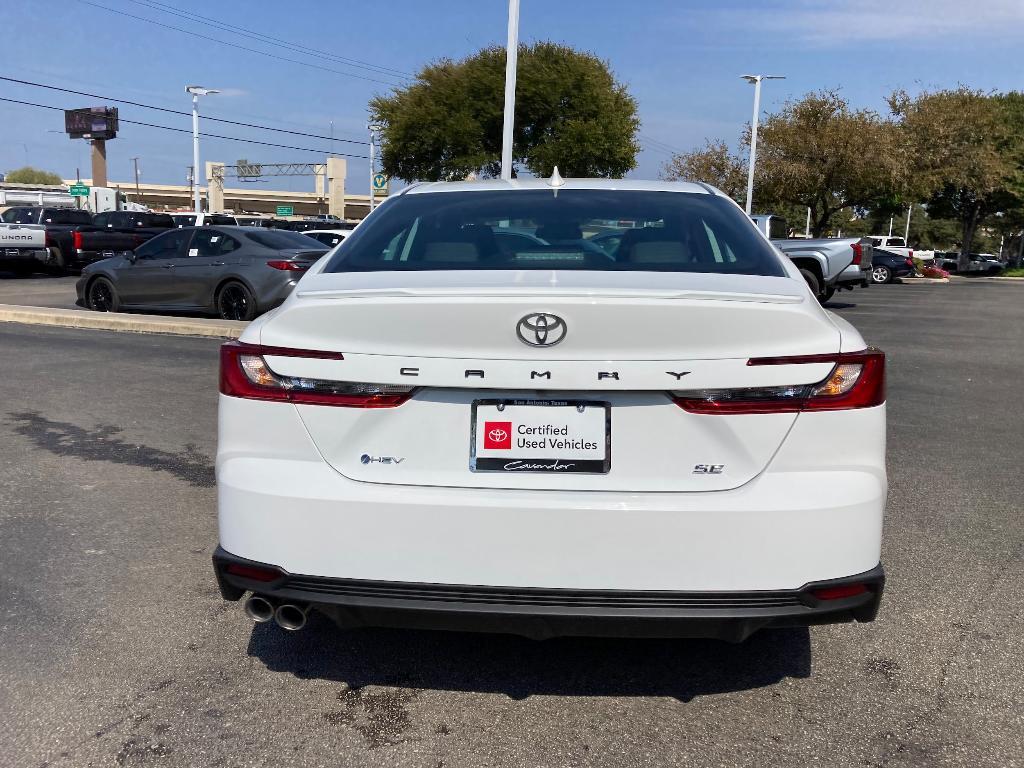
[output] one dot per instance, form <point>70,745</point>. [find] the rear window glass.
<point>184,221</point>
<point>150,220</point>
<point>20,216</point>
<point>279,239</point>
<point>605,230</point>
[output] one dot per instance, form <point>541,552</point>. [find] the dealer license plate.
<point>553,436</point>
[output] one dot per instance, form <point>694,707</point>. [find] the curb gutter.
<point>121,321</point>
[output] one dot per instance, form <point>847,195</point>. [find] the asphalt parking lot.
<point>38,291</point>
<point>116,649</point>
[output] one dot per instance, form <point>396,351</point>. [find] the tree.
<point>966,152</point>
<point>817,153</point>
<point>570,112</point>
<point>30,175</point>
<point>714,165</point>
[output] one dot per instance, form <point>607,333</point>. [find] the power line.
<point>267,39</point>
<point>207,135</point>
<point>236,45</point>
<point>658,143</point>
<point>180,112</point>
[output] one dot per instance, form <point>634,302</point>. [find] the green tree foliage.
<point>570,112</point>
<point>818,153</point>
<point>713,164</point>
<point>30,175</point>
<point>966,151</point>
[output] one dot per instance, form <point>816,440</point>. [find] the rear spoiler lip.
<point>360,293</point>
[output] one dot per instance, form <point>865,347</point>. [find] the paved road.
<point>115,648</point>
<point>38,290</point>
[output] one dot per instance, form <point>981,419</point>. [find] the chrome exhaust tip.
<point>259,609</point>
<point>290,616</point>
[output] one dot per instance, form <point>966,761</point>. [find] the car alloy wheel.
<point>881,274</point>
<point>234,302</point>
<point>101,297</point>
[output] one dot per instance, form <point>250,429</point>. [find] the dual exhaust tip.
<point>290,616</point>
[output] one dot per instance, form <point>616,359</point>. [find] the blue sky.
<point>681,60</point>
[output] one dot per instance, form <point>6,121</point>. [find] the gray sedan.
<point>233,272</point>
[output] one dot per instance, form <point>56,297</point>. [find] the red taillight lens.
<point>858,252</point>
<point>76,240</point>
<point>253,572</point>
<point>910,262</point>
<point>911,254</point>
<point>289,266</point>
<point>857,380</point>
<point>244,373</point>
<point>839,592</point>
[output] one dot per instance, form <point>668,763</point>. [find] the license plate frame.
<point>555,465</point>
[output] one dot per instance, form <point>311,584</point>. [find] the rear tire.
<point>101,296</point>
<point>881,274</point>
<point>55,264</point>
<point>235,302</point>
<point>828,294</point>
<point>813,282</point>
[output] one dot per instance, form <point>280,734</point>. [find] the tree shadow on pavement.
<point>519,668</point>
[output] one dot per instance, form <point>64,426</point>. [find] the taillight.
<point>244,372</point>
<point>253,572</point>
<point>911,254</point>
<point>858,253</point>
<point>289,266</point>
<point>910,261</point>
<point>76,240</point>
<point>857,380</point>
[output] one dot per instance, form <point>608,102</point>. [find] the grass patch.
<point>1018,272</point>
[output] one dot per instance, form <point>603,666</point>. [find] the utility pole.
<point>511,62</point>
<point>906,233</point>
<point>807,227</point>
<point>196,92</point>
<point>755,80</point>
<point>370,128</point>
<point>138,194</point>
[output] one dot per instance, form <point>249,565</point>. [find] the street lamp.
<point>374,129</point>
<point>196,92</point>
<point>755,80</point>
<point>511,60</point>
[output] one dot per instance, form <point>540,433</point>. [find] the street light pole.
<point>511,61</point>
<point>374,129</point>
<point>755,80</point>
<point>138,194</point>
<point>196,92</point>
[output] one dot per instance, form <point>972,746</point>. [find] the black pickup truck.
<point>75,237</point>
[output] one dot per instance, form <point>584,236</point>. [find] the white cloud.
<point>827,21</point>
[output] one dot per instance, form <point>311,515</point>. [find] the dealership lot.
<point>116,648</point>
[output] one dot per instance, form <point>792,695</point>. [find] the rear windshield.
<point>281,239</point>
<point>20,216</point>
<point>150,220</point>
<point>184,221</point>
<point>591,229</point>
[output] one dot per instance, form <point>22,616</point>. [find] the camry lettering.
<point>540,374</point>
<point>477,373</point>
<point>409,371</point>
<point>678,374</point>
<point>607,375</point>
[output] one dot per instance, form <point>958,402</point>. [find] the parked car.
<point>886,266</point>
<point>984,263</point>
<point>329,237</point>
<point>435,431</point>
<point>232,272</point>
<point>61,226</point>
<point>22,247</point>
<point>182,220</point>
<point>119,231</point>
<point>892,244</point>
<point>827,264</point>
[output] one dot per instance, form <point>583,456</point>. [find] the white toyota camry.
<point>562,407</point>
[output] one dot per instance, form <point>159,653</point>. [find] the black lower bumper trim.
<point>541,613</point>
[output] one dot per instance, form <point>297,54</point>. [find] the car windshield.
<point>593,229</point>
<point>184,221</point>
<point>282,239</point>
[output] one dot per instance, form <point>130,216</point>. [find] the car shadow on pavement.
<point>519,668</point>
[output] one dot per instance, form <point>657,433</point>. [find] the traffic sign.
<point>380,185</point>
<point>285,210</point>
<point>79,190</point>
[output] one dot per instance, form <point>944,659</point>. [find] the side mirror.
<point>130,257</point>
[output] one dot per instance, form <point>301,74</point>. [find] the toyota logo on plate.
<point>541,329</point>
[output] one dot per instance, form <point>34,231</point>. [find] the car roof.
<point>503,185</point>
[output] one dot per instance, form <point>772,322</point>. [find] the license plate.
<point>552,436</point>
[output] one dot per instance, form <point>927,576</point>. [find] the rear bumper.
<point>543,613</point>
<point>21,257</point>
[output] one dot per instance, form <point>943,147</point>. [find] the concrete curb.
<point>922,280</point>
<point>120,321</point>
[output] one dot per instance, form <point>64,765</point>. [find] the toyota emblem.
<point>541,329</point>
<point>498,435</point>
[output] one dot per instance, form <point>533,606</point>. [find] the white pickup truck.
<point>22,247</point>
<point>891,244</point>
